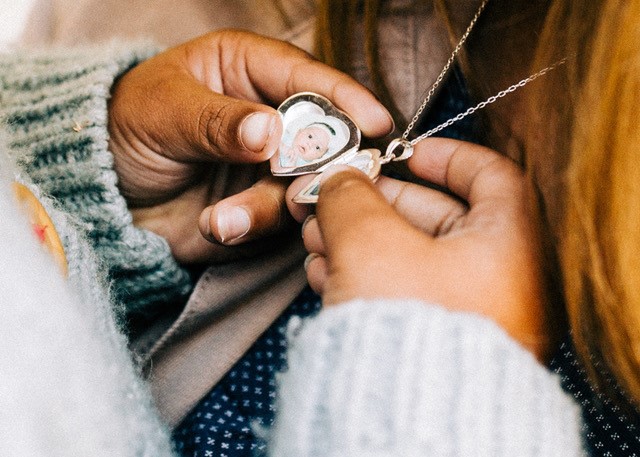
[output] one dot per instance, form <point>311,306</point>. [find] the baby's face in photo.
<point>310,143</point>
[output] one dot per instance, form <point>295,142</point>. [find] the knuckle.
<point>447,223</point>
<point>277,205</point>
<point>272,196</point>
<point>212,125</point>
<point>300,62</point>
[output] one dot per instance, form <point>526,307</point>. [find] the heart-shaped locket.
<point>315,134</point>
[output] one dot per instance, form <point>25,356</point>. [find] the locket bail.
<point>390,154</point>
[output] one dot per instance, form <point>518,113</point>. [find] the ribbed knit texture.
<point>67,385</point>
<point>54,107</point>
<point>406,379</point>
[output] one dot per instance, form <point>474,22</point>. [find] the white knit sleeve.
<point>389,378</point>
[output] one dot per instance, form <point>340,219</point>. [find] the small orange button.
<point>41,223</point>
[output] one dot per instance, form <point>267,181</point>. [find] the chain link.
<point>488,101</point>
<point>444,71</point>
<point>407,145</point>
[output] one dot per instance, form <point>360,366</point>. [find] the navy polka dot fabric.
<point>608,430</point>
<point>225,422</point>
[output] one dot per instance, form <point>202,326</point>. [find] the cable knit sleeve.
<point>54,106</point>
<point>387,378</point>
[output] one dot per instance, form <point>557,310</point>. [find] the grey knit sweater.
<point>54,109</point>
<point>67,383</point>
<point>377,378</point>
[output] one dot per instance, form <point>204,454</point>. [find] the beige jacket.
<point>188,351</point>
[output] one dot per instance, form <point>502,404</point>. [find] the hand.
<point>476,251</point>
<point>178,120</point>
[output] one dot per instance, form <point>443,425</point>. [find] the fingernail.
<point>393,123</point>
<point>310,258</point>
<point>205,217</point>
<point>256,129</point>
<point>306,221</point>
<point>386,113</point>
<point>233,224</point>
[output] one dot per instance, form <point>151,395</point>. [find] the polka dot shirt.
<point>225,422</point>
<point>608,429</point>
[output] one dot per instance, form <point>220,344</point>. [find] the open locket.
<point>315,136</point>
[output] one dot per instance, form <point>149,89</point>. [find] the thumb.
<point>353,216</point>
<point>182,119</point>
<point>219,127</point>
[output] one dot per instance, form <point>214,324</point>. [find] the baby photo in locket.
<point>315,133</point>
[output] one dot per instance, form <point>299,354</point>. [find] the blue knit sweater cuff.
<point>54,105</point>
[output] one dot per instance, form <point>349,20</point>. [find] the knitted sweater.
<point>54,110</point>
<point>364,379</point>
<point>403,378</point>
<point>67,384</point>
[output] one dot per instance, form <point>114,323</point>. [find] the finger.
<point>354,217</point>
<point>297,71</point>
<point>249,215</point>
<point>166,108</point>
<point>472,172</point>
<point>316,268</point>
<point>297,210</point>
<point>312,237</point>
<point>429,210</point>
